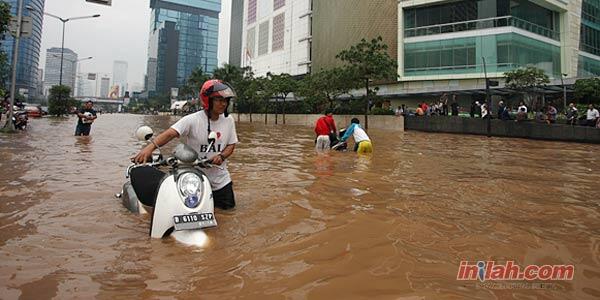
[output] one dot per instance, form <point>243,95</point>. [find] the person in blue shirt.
<point>362,143</point>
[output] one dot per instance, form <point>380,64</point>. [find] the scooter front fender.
<point>169,203</point>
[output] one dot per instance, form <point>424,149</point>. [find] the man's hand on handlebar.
<point>217,160</point>
<point>144,155</point>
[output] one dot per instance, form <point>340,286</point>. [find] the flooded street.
<point>394,225</point>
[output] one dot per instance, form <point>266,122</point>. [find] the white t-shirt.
<point>193,129</point>
<point>360,135</point>
<point>592,114</point>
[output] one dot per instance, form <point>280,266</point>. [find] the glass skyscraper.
<point>29,48</point>
<point>183,37</point>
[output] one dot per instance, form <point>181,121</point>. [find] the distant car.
<point>33,111</point>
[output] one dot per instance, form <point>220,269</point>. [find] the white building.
<point>52,69</point>
<point>276,36</point>
<point>104,87</point>
<point>120,76</point>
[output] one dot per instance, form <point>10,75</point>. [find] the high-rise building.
<point>104,87</point>
<point>235,32</point>
<point>86,85</point>
<point>120,76</point>
<point>183,37</point>
<point>39,83</point>
<point>300,36</point>
<point>442,45</point>
<point>53,71</point>
<point>29,47</point>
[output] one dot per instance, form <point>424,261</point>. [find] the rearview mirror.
<point>144,133</point>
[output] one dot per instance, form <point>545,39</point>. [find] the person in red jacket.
<point>324,127</point>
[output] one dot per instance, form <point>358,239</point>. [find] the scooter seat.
<point>145,181</point>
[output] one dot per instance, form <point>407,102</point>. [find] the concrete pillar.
<point>570,27</point>
<point>400,41</point>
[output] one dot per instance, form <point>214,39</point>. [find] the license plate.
<point>194,221</point>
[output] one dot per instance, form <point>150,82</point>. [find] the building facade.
<point>183,37</point>
<point>120,76</point>
<point>52,70</point>
<point>104,87</point>
<point>301,36</point>
<point>443,45</point>
<point>29,48</point>
<point>235,33</point>
<point>276,36</point>
<point>339,24</point>
<point>589,41</point>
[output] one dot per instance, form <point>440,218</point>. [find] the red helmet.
<point>215,88</point>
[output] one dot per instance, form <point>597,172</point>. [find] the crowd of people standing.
<point>548,113</point>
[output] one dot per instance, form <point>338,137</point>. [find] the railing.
<point>482,24</point>
<point>590,49</point>
<point>470,68</point>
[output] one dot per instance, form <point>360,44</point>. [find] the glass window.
<point>525,15</point>
<point>460,55</point>
<point>588,67</point>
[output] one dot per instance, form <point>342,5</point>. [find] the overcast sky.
<point>120,33</point>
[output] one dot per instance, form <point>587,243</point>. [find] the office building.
<point>104,87</point>
<point>442,45</point>
<point>302,36</point>
<point>235,32</point>
<point>120,76</point>
<point>29,48</point>
<point>183,37</point>
<point>53,68</point>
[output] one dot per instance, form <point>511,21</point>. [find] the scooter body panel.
<point>170,204</point>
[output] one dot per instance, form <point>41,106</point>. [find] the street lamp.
<point>64,21</point>
<point>564,90</point>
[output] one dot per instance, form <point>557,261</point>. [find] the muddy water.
<point>394,225</point>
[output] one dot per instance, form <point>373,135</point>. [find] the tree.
<point>250,91</point>
<point>369,61</point>
<point>59,100</point>
<point>281,86</point>
<point>527,81</point>
<point>588,90</point>
<point>4,68</point>
<point>264,93</point>
<point>193,84</point>
<point>326,85</point>
<point>229,73</point>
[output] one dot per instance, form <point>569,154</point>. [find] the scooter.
<point>179,198</point>
<point>338,145</point>
<point>20,120</point>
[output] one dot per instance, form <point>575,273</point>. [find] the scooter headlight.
<point>190,187</point>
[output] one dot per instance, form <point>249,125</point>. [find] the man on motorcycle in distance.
<point>215,95</point>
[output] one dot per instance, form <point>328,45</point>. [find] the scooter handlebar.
<point>207,163</point>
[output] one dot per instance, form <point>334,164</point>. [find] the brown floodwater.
<point>393,225</point>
